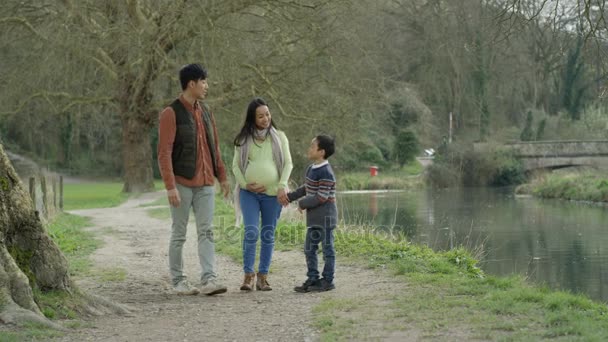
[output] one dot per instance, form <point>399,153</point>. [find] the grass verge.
<point>407,177</point>
<point>87,195</point>
<point>448,297</point>
<point>77,244</point>
<point>577,187</point>
<point>93,195</point>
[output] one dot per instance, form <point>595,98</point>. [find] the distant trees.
<point>118,60</point>
<point>528,133</point>
<point>83,82</point>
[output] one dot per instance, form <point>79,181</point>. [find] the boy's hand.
<point>255,187</point>
<point>282,197</point>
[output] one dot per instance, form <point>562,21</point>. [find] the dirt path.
<point>138,244</point>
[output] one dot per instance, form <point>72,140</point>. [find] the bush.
<point>496,168</point>
<point>442,175</point>
<point>406,147</point>
<point>460,166</point>
<point>360,156</point>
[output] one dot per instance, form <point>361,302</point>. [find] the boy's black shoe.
<point>305,287</point>
<point>321,286</point>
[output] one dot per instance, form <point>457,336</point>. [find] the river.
<point>561,244</point>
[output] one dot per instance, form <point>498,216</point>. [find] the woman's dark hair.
<point>327,143</point>
<point>191,72</point>
<point>248,128</point>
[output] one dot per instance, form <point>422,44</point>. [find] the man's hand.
<point>225,188</point>
<point>255,187</point>
<point>173,196</point>
<point>282,197</point>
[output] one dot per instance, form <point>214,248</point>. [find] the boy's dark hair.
<point>327,143</point>
<point>191,72</point>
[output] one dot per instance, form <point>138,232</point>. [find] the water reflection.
<point>561,244</point>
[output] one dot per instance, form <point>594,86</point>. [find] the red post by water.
<point>373,171</point>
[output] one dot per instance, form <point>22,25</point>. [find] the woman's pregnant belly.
<point>262,173</point>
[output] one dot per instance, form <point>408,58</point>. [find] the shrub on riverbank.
<point>577,187</point>
<point>459,165</point>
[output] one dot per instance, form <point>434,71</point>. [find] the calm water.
<point>558,243</point>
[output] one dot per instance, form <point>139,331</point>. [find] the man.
<point>189,160</point>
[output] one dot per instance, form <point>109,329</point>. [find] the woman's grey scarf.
<point>277,156</point>
<point>277,151</point>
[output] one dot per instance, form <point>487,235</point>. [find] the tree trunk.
<point>134,97</point>
<point>137,156</point>
<point>29,258</point>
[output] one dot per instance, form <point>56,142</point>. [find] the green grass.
<point>111,274</point>
<point>58,304</point>
<point>578,187</point>
<point>77,244</point>
<point>407,177</point>
<point>87,195</point>
<point>30,332</point>
<point>445,293</point>
<point>93,195</point>
<point>74,241</point>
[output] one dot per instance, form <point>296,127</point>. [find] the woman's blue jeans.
<point>253,205</point>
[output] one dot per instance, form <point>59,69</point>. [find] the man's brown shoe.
<point>248,282</point>
<point>262,283</point>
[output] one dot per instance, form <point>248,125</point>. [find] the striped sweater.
<point>318,196</point>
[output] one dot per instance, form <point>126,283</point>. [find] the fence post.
<point>54,192</point>
<point>45,204</point>
<point>33,191</point>
<point>61,193</point>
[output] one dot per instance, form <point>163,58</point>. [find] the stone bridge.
<point>558,154</point>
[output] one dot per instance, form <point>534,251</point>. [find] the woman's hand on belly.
<point>255,187</point>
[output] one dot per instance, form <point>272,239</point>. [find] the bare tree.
<point>123,56</point>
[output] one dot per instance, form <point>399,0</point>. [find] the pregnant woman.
<point>261,165</point>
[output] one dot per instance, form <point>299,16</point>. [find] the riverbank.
<point>387,289</point>
<point>575,186</point>
<point>409,176</point>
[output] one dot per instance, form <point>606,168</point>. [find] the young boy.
<point>319,201</point>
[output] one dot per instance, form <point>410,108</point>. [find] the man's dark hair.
<point>325,142</point>
<point>191,72</point>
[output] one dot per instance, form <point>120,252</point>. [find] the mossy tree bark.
<point>29,258</point>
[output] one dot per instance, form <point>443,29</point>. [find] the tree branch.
<point>24,22</point>
<point>134,10</point>
<point>46,96</point>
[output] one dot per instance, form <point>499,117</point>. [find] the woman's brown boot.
<point>262,283</point>
<point>248,282</point>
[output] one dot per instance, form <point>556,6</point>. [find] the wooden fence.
<point>46,191</point>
